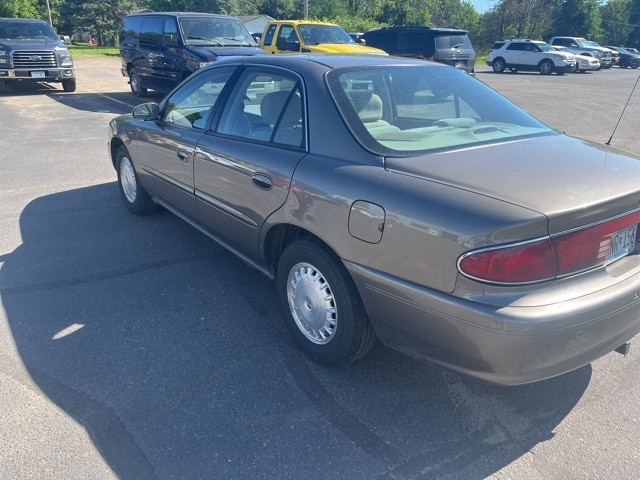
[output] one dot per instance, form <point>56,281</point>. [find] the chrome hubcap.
<point>312,303</point>
<point>128,179</point>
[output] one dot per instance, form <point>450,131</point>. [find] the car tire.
<point>136,85</point>
<point>624,63</point>
<point>3,87</point>
<point>135,197</point>
<point>499,65</point>
<point>546,67</point>
<point>322,307</point>
<point>69,85</point>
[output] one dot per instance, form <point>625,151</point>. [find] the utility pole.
<point>306,9</point>
<point>49,12</point>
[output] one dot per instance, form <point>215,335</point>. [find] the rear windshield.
<point>26,30</point>
<point>400,110</point>
<point>453,41</point>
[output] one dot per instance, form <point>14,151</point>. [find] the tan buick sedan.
<point>399,200</point>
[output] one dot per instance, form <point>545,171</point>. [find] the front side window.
<point>400,110</point>
<point>266,107</point>
<point>191,105</point>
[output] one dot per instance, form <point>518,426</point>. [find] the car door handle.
<point>262,181</point>
<point>183,155</point>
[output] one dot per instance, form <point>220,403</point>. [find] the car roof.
<point>178,14</point>
<point>330,61</point>
<point>22,20</point>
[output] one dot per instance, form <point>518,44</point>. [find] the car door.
<point>166,146</point>
<point>151,59</point>
<point>243,168</point>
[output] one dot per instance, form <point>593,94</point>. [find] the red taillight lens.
<point>527,262</point>
<point>546,258</point>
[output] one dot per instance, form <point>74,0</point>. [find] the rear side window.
<point>131,30</point>
<point>268,38</point>
<point>151,32</point>
<point>266,106</point>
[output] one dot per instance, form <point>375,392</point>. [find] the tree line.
<point>612,22</point>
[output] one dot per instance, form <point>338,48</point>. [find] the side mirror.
<point>146,111</point>
<point>281,43</point>
<point>168,40</point>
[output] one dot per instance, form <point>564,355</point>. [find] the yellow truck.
<point>307,36</point>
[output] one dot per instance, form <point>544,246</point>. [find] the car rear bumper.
<point>507,345</point>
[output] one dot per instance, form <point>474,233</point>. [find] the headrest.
<point>368,105</point>
<point>272,104</point>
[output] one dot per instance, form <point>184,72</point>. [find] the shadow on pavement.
<point>172,355</point>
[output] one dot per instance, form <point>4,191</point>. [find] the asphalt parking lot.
<point>135,348</point>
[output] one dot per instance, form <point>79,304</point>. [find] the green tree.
<point>580,18</point>
<point>633,39</point>
<point>615,21</point>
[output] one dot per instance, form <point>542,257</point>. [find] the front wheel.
<point>69,85</point>
<point>546,67</point>
<point>135,197</point>
<point>322,307</point>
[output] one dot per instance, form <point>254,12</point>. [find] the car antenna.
<point>608,142</point>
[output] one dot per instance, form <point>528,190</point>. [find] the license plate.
<point>37,74</point>
<point>459,64</point>
<point>623,242</point>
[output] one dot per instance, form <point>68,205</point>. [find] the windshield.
<point>315,34</point>
<point>401,110</point>
<point>545,47</point>
<point>221,32</point>
<point>26,30</point>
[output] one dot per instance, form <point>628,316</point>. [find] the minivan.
<point>159,50</point>
<point>445,45</point>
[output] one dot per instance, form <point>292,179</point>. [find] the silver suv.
<point>583,45</point>
<point>525,54</point>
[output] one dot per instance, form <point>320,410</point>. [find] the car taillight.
<point>547,258</point>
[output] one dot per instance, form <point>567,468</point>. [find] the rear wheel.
<point>322,307</point>
<point>136,85</point>
<point>135,197</point>
<point>624,63</point>
<point>499,65</point>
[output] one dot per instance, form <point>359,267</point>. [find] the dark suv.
<point>450,46</point>
<point>159,50</point>
<point>30,51</point>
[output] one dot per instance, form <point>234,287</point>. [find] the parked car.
<point>402,200</point>
<point>450,46</point>
<point>627,58</point>
<point>159,50</point>
<point>582,44</point>
<point>585,61</point>
<point>525,54</point>
<point>30,51</point>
